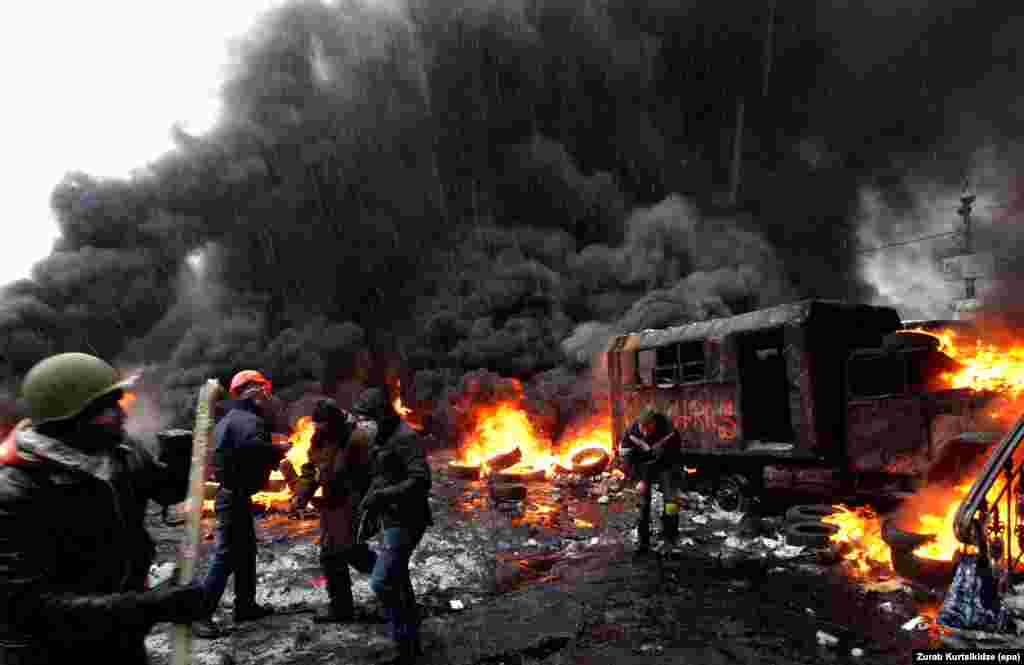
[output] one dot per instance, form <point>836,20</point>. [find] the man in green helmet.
<point>650,449</point>
<point>74,551</point>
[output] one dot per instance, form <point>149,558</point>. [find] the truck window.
<point>691,362</point>
<point>679,363</point>
<point>877,375</point>
<point>666,368</point>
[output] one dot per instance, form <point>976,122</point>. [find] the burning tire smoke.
<point>504,185</point>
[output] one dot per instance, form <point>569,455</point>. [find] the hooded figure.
<point>339,464</point>
<point>397,504</point>
<point>75,554</point>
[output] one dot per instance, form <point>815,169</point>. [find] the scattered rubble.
<point>561,545</point>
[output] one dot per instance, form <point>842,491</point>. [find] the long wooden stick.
<point>201,435</point>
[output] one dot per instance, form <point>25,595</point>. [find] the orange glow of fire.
<point>985,366</point>
<point>860,530</point>
<point>502,427</point>
<point>127,399</point>
<point>405,412</point>
<point>300,438</point>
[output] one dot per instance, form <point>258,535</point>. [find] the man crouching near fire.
<point>74,551</point>
<point>398,503</point>
<point>338,463</point>
<point>651,450</point>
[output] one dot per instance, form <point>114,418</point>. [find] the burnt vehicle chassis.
<point>832,394</point>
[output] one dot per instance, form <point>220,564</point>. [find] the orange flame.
<point>501,428</point>
<point>127,399</point>
<point>300,438</point>
<point>405,412</point>
<point>860,530</point>
<point>985,366</point>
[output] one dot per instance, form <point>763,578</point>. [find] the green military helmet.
<point>62,386</point>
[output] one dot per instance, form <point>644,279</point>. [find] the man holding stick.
<point>244,457</point>
<point>74,551</point>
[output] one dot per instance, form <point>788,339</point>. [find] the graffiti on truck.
<point>699,416</point>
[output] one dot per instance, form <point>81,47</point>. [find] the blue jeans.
<point>390,581</point>
<point>234,552</point>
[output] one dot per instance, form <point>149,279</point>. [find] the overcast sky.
<point>96,87</point>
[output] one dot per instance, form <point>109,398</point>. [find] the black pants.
<point>651,469</point>
<point>234,553</point>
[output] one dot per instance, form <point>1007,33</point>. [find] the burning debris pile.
<point>503,440</point>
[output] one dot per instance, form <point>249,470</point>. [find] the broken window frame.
<point>681,363</point>
<point>902,391</point>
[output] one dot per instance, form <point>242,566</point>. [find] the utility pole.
<point>966,204</point>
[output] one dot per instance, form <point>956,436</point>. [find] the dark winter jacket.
<point>633,453</point>
<point>339,464</point>
<point>399,466</point>
<point>244,453</point>
<point>74,551</point>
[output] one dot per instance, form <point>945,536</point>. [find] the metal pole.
<point>966,202</point>
<point>737,154</point>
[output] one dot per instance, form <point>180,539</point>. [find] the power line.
<point>908,242</point>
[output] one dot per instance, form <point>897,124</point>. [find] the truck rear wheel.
<point>734,492</point>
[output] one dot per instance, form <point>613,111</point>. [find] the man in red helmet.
<point>244,457</point>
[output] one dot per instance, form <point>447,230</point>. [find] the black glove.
<point>180,604</point>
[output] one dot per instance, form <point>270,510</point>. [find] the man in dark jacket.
<point>339,464</point>
<point>651,449</point>
<point>243,459</point>
<point>397,503</point>
<point>74,551</point>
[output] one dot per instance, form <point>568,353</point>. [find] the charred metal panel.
<point>713,358</point>
<point>773,317</point>
<point>728,363</point>
<point>855,325</point>
<point>705,414</point>
<point>801,387</point>
<point>887,434</point>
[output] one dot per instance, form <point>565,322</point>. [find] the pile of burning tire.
<point>509,467</point>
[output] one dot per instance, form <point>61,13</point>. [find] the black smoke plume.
<point>500,186</point>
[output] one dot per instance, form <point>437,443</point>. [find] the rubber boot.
<point>339,592</point>
<point>669,528</point>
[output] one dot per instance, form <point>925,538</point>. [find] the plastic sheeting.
<point>972,602</point>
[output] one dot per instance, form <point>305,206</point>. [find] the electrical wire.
<point>908,242</point>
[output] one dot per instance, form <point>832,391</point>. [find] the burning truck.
<point>816,391</point>
<point>842,399</point>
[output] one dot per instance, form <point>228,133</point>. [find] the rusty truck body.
<point>821,392</point>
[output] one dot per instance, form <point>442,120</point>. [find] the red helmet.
<point>248,376</point>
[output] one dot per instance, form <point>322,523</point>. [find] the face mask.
<point>104,430</point>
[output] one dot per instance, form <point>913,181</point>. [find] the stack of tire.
<point>805,528</point>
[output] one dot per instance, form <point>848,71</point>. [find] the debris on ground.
<point>826,640</point>
<point>917,623</point>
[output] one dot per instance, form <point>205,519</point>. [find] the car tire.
<point>810,534</point>
<point>813,512</point>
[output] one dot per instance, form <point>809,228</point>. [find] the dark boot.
<point>252,613</point>
<point>339,592</point>
<point>669,528</point>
